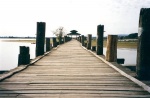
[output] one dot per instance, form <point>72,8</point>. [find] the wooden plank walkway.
<point>70,72</point>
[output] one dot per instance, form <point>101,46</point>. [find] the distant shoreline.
<point>27,40</point>
<point>121,44</point>
<point>17,37</point>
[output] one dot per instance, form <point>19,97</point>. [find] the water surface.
<point>9,52</point>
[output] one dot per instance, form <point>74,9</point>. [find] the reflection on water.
<point>9,54</point>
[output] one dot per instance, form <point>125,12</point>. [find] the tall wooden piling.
<point>65,39</point>
<point>54,42</point>
<point>111,52</point>
<point>100,33</point>
<point>82,38</point>
<point>143,49</point>
<point>60,40</point>
<point>89,41</point>
<point>47,44</point>
<point>24,56</point>
<point>79,38</point>
<point>40,38</point>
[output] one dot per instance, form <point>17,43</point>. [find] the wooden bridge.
<point>70,71</point>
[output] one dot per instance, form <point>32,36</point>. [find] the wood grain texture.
<point>69,72</point>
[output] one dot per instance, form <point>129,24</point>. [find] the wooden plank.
<point>69,72</point>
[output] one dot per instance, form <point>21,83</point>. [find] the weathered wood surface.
<point>70,72</point>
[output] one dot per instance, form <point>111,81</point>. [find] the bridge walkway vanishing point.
<point>70,71</point>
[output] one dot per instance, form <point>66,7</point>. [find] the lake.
<point>129,54</point>
<point>9,52</point>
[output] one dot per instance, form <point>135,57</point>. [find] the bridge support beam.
<point>40,38</point>
<point>54,42</point>
<point>143,49</point>
<point>111,52</point>
<point>48,44</point>
<point>82,37</point>
<point>100,31</point>
<point>89,41</point>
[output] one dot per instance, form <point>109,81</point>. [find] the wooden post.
<point>57,43</point>
<point>85,45</point>
<point>100,31</point>
<point>40,38</point>
<point>60,40</point>
<point>54,42</point>
<point>89,40</point>
<point>93,48</point>
<point>47,44</point>
<point>24,56</point>
<point>111,52</point>
<point>143,49</point>
<point>65,39</point>
<point>82,37</point>
<point>120,60</point>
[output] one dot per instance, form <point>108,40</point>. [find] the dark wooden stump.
<point>93,48</point>
<point>120,60</point>
<point>24,56</point>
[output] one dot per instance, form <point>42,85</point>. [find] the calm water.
<point>9,54</point>
<point>128,54</point>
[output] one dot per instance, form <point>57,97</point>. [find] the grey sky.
<point>19,17</point>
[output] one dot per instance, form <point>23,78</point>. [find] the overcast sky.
<point>19,17</point>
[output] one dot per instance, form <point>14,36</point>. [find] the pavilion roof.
<point>73,32</point>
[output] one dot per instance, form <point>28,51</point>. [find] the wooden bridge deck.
<point>70,72</point>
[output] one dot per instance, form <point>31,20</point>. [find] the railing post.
<point>60,40</point>
<point>93,48</point>
<point>47,44</point>
<point>24,56</point>
<point>82,37</point>
<point>54,42</point>
<point>143,49</point>
<point>89,40</point>
<point>65,39</point>
<point>40,38</point>
<point>111,52</point>
<point>79,38</point>
<point>100,31</point>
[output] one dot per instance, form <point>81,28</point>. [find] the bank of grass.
<point>32,41</point>
<point>21,41</point>
<point>120,44</point>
